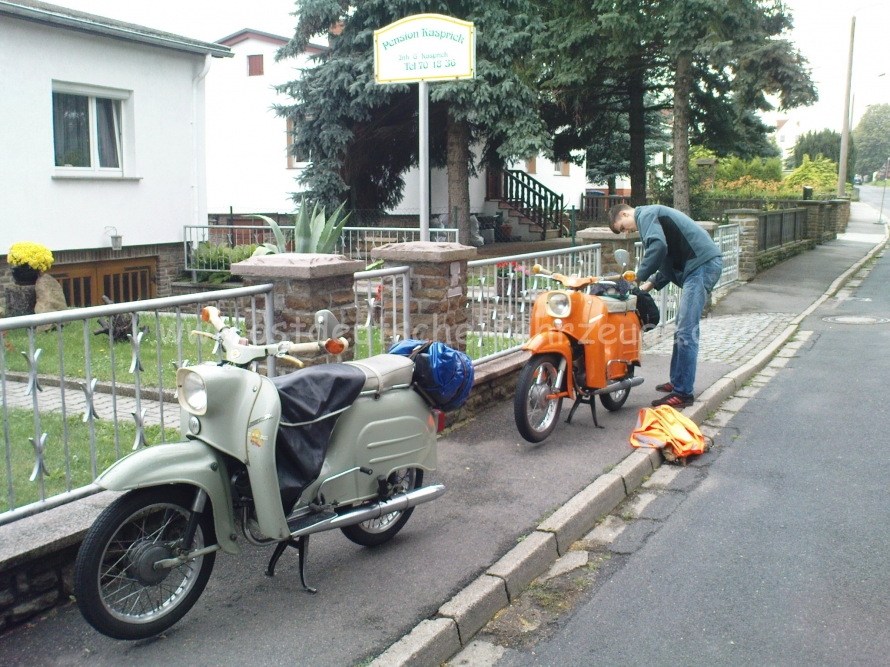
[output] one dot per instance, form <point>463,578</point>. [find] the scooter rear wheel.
<point>382,529</point>
<point>117,589</point>
<point>535,415</point>
<point>615,400</point>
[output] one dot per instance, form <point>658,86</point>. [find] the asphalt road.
<point>779,556</point>
<point>873,196</point>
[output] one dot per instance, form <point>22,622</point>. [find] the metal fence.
<point>357,242</point>
<point>727,239</point>
<point>214,248</point>
<point>502,290</point>
<point>382,309</point>
<point>777,228</point>
<point>82,387</point>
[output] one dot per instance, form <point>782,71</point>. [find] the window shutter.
<point>255,65</point>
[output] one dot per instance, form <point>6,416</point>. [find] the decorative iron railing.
<point>502,290</point>
<point>531,198</point>
<point>82,387</point>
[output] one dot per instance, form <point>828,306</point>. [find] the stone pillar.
<point>438,273</point>
<point>815,224</point>
<point>748,220</point>
<point>610,243</point>
<point>304,283</point>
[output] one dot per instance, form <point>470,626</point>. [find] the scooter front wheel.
<point>535,414</point>
<point>382,529</point>
<point>117,588</point>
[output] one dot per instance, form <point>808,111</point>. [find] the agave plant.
<point>313,232</point>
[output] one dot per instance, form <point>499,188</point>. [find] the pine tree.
<point>363,136</point>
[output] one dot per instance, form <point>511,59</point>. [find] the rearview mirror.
<point>623,258</point>
<point>327,325</point>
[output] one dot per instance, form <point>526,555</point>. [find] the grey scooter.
<point>332,446</point>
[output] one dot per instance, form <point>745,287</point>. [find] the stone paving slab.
<point>105,405</point>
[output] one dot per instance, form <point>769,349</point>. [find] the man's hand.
<point>647,286</point>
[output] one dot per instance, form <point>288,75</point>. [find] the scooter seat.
<point>616,304</point>
<point>385,371</point>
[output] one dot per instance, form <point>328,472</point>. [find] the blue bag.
<point>443,375</point>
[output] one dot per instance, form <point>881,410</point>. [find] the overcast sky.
<point>821,32</point>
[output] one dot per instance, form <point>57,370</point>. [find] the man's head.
<point>621,219</point>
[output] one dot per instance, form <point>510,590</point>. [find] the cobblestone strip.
<point>50,400</point>
<point>731,339</point>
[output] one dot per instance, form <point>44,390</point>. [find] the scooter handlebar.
<point>331,346</point>
<point>211,314</point>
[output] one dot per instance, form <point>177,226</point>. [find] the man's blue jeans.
<point>697,288</point>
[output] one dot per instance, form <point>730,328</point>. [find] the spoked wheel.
<point>535,414</point>
<point>118,590</point>
<point>614,400</point>
<point>382,529</point>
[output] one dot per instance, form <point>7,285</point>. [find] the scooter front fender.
<point>554,341</point>
<point>191,462</point>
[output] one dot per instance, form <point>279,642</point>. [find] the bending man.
<point>679,251</point>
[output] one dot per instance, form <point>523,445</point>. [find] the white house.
<point>103,135</point>
<point>248,166</point>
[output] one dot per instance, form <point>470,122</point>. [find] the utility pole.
<point>845,134</point>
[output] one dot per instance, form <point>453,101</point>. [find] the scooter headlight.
<point>559,305</point>
<point>192,392</point>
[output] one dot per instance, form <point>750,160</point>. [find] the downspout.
<point>195,171</point>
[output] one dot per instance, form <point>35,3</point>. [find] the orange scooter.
<point>583,345</point>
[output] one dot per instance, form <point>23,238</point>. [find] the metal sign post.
<point>419,49</point>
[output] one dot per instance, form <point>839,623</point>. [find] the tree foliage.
<point>363,136</point>
<point>825,142</point>
<point>819,173</point>
<point>872,137</point>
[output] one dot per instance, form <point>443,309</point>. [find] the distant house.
<point>103,135</point>
<point>249,169</point>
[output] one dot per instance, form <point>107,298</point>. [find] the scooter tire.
<point>533,429</point>
<point>116,556</point>
<point>613,403</point>
<point>372,533</point>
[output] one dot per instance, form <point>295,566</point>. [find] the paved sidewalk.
<point>105,405</point>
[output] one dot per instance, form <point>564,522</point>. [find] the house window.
<point>255,65</point>
<point>531,166</point>
<point>300,157</point>
<point>561,168</point>
<point>87,131</point>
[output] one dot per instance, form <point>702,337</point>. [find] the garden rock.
<point>50,298</point>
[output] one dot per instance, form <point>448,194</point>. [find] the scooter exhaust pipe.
<point>399,502</point>
<point>618,386</point>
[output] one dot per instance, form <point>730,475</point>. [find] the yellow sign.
<point>424,47</point>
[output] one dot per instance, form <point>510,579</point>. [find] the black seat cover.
<point>308,395</point>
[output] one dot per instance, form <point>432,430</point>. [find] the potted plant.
<point>510,277</point>
<point>28,260</point>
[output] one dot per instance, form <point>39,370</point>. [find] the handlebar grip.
<point>211,314</point>
<point>537,268</point>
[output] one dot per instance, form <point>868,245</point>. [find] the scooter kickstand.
<point>591,401</point>
<point>301,545</point>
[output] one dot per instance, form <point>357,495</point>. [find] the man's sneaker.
<point>666,388</point>
<point>674,400</point>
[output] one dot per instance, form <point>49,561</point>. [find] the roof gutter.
<point>118,32</point>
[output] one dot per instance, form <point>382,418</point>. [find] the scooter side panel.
<point>260,437</point>
<point>395,431</point>
<point>191,462</point>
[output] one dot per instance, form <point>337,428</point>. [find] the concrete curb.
<point>553,538</point>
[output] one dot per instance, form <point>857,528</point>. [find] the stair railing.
<point>532,199</point>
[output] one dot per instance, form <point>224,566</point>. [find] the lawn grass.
<point>74,351</point>
<point>21,427</point>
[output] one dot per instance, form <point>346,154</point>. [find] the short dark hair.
<point>613,215</point>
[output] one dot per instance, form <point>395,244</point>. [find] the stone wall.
<point>773,256</point>
<point>169,258</point>
<point>35,586</point>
